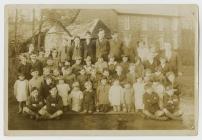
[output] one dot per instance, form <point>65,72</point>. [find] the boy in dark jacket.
<point>34,104</point>
<point>54,105</point>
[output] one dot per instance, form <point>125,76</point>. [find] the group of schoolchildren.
<point>99,76</point>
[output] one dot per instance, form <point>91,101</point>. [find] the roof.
<point>92,26</point>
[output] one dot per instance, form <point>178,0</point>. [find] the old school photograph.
<point>132,69</point>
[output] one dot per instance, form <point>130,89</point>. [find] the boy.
<point>151,104</point>
<point>77,66</point>
<point>112,65</point>
<point>34,104</point>
<point>139,67</point>
<point>171,104</point>
<point>120,75</point>
<point>55,58</point>
<point>68,76</point>
<point>47,84</point>
<point>88,98</point>
<point>82,78</point>
<point>88,67</point>
<point>131,75</point>
<point>36,81</point>
<point>116,96</point>
<point>78,50</point>
<point>24,67</point>
<point>36,64</point>
<point>54,106</point>
<point>100,65</point>
<point>102,96</point>
<point>125,64</point>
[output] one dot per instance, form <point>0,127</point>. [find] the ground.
<point>105,121</point>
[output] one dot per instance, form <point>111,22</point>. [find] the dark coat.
<point>25,69</point>
<point>90,50</point>
<point>57,101</point>
<point>116,49</point>
<point>151,102</point>
<point>102,49</point>
<point>171,103</point>
<point>37,101</point>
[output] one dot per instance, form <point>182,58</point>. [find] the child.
<point>151,104</point>
<point>50,64</point>
<point>21,91</point>
<point>88,98</point>
<point>100,65</point>
<point>76,97</point>
<point>112,65</point>
<point>131,75</point>
<point>171,104</point>
<point>68,76</point>
<point>158,88</point>
<point>63,91</point>
<point>125,64</point>
<point>94,78</point>
<point>88,67</point>
<point>55,58</point>
<point>56,75</point>
<point>77,66</point>
<point>24,67</point>
<point>139,67</point>
<point>116,96</point>
<point>82,78</point>
<point>158,76</point>
<point>46,72</point>
<point>139,92</point>
<point>36,81</point>
<point>34,104</point>
<point>48,81</point>
<point>102,96</point>
<point>36,64</point>
<point>54,106</point>
<point>120,75</point>
<point>128,94</point>
<point>163,65</point>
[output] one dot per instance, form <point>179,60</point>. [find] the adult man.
<point>102,45</point>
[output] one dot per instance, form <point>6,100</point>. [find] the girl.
<point>116,96</point>
<point>139,92</point>
<point>102,100</point>
<point>76,97</point>
<point>128,97</point>
<point>63,90</point>
<point>21,91</point>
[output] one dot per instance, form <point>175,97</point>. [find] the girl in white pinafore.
<point>76,97</point>
<point>138,92</point>
<point>21,91</point>
<point>63,90</point>
<point>116,96</point>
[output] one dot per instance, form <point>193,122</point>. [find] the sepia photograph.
<point>132,69</point>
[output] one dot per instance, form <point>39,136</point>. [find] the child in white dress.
<point>116,96</point>
<point>138,92</point>
<point>76,97</point>
<point>21,91</point>
<point>63,91</point>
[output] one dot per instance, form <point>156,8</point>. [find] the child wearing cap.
<point>76,97</point>
<point>54,105</point>
<point>171,104</point>
<point>82,78</point>
<point>76,67</point>
<point>151,104</point>
<point>116,96</point>
<point>88,98</point>
<point>63,91</point>
<point>102,96</point>
<point>128,95</point>
<point>139,91</point>
<point>36,81</point>
<point>34,104</point>
<point>21,91</point>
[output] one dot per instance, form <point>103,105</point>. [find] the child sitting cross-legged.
<point>34,104</point>
<point>54,105</point>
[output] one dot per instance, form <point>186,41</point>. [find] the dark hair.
<point>88,33</point>
<point>100,29</point>
<point>34,88</point>
<point>77,37</point>
<point>52,86</point>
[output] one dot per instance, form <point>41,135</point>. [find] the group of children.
<point>47,87</point>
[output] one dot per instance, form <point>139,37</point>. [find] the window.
<point>126,22</point>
